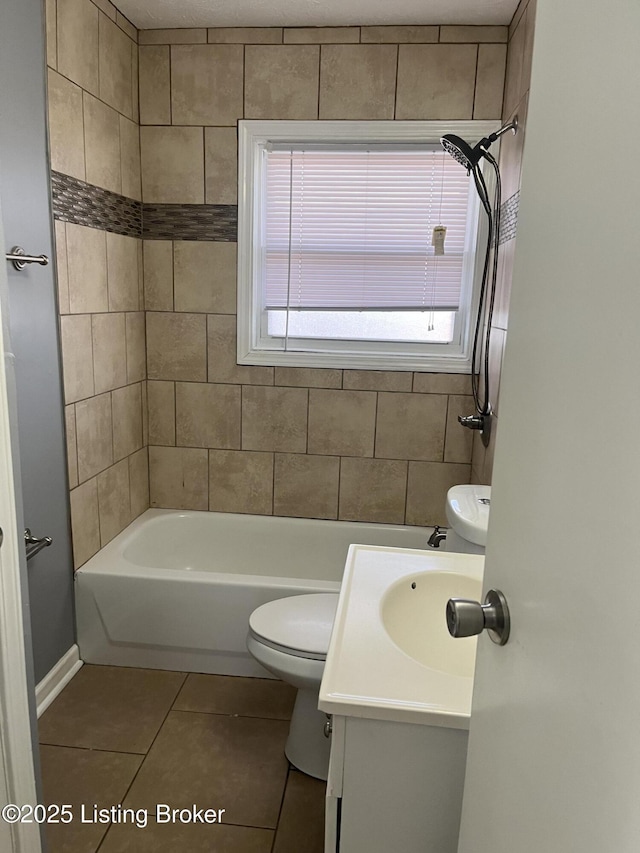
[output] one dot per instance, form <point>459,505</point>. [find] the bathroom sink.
<point>390,656</point>
<point>413,615</point>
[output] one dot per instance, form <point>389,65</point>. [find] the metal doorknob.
<point>467,618</point>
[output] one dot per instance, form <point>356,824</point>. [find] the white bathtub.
<point>175,589</point>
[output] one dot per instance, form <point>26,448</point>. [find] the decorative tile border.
<point>509,218</point>
<point>218,222</point>
<point>84,204</point>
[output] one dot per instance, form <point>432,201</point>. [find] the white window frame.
<point>256,348</point>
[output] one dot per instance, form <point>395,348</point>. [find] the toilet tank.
<point>467,510</point>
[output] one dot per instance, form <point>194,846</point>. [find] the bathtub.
<point>175,589</point>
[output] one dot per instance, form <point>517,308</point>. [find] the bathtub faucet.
<point>436,537</point>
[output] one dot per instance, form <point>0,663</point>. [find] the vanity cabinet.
<point>394,786</point>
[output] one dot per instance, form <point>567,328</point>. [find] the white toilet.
<point>290,637</point>
<point>467,510</point>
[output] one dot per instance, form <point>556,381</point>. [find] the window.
<point>337,266</point>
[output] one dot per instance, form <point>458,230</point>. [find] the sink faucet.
<point>436,537</point>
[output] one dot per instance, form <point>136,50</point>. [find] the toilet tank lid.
<point>467,512</point>
<point>300,622</point>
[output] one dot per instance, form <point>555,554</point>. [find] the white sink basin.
<point>413,614</point>
<point>390,655</point>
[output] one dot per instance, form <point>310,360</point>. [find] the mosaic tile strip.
<point>84,204</point>
<point>190,222</point>
<point>509,218</point>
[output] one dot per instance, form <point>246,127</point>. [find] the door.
<point>32,317</point>
<point>554,751</point>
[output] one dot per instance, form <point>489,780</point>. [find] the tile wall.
<point>516,98</point>
<point>92,54</point>
<point>358,445</point>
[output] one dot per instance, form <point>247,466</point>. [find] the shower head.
<point>466,155</point>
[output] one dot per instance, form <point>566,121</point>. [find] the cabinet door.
<point>334,786</point>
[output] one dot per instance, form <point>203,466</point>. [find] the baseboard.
<point>57,678</point>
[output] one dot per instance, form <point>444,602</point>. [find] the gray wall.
<point>24,192</point>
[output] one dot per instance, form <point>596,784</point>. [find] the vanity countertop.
<point>366,674</point>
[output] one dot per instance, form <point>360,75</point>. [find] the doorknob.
<point>467,618</point>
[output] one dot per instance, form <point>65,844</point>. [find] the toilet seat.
<point>299,625</point>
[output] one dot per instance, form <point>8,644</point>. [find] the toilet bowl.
<point>290,638</point>
<point>467,510</point>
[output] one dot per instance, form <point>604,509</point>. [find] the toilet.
<point>467,509</point>
<point>290,638</point>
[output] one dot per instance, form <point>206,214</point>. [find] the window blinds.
<point>351,229</point>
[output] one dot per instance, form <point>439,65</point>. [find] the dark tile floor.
<point>136,738</point>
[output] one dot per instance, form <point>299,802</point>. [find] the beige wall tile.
<point>114,501</point>
<point>179,36</point>
<point>517,16</point>
<point>496,355</point>
<point>122,272</point>
<point>62,269</point>
<point>109,351</point>
<point>506,260</point>
<point>245,35</point>
<point>221,165</point>
<point>274,419</point>
<point>130,159</point>
<point>427,490</point>
<point>66,128</point>
<point>436,81</point>
<point>474,34</point>
<point>177,347</point>
<point>281,82</point>
<point>127,420</point>
<point>515,56</point>
<point>158,275</point>
<point>306,486</point>
<point>77,358</point>
<point>205,277</point>
<point>511,151</point>
<point>161,400</point>
<point>52,34</point>
<point>115,67</point>
<point>72,448</point>
<point>102,144</point>
<point>458,440</point>
<point>240,481</point>
<point>126,26</point>
<point>206,84</point>
<point>135,82</point>
<point>221,349</point>
<point>411,426</point>
<point>394,35</point>
<point>377,380</point>
<point>208,415</point>
<point>172,164</point>
<point>527,55</point>
<point>94,433</point>
<point>308,377</point>
<point>478,458</point>
<point>145,415</point>
<point>155,84</point>
<point>178,477</point>
<point>358,81</point>
<point>108,8</point>
<point>342,423</point>
<point>139,482</point>
<point>78,42</point>
<point>492,61</point>
<point>322,35</point>
<point>85,522</point>
<point>372,490</point>
<point>87,263</point>
<point>136,347</point>
<point>442,383</point>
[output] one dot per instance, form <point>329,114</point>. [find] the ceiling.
<point>158,14</point>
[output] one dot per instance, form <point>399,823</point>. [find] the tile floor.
<point>140,737</point>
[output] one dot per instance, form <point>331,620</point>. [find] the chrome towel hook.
<point>20,259</point>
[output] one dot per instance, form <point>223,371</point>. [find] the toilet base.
<point>307,748</point>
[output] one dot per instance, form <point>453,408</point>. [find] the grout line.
<point>475,82</point>
<point>319,79</point>
<point>395,96</point>
<point>284,791</point>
